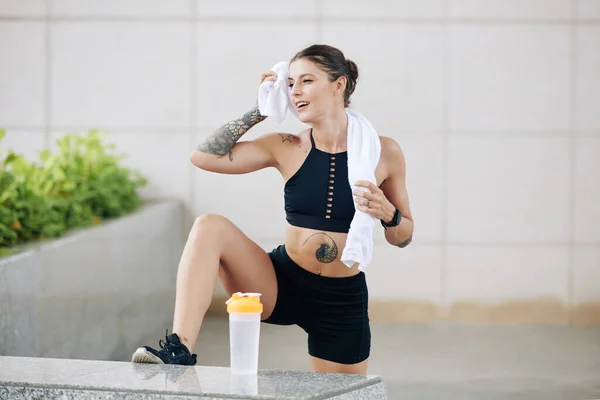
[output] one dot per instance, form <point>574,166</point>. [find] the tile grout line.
<point>48,76</point>
<point>193,103</point>
<point>515,244</point>
<point>444,307</point>
<point>250,19</point>
<point>114,129</point>
<point>319,20</point>
<point>572,159</point>
<point>483,133</point>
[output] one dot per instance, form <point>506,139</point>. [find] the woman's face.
<point>311,92</point>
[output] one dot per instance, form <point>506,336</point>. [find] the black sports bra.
<point>318,196</point>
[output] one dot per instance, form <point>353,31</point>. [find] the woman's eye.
<point>304,81</point>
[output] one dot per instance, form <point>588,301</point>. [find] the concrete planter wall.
<point>93,294</point>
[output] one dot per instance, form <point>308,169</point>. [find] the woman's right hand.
<point>268,76</point>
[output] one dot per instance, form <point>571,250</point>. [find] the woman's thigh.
<point>245,266</point>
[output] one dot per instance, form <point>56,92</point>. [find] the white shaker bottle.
<point>244,311</point>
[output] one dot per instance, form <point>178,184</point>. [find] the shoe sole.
<point>143,356</point>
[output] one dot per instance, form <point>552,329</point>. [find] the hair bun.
<point>353,75</point>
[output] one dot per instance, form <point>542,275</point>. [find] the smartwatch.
<point>395,220</point>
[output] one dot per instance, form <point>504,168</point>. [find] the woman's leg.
<point>217,248</point>
<point>320,365</point>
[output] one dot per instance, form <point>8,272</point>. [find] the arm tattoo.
<point>327,251</point>
<point>222,141</point>
<point>406,242</point>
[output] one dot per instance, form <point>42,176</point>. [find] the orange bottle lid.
<point>244,303</point>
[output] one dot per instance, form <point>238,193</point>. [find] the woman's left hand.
<point>373,201</point>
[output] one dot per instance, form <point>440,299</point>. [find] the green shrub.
<point>81,184</point>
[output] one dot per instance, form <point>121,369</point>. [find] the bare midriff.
<point>318,251</point>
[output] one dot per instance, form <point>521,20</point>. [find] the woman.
<point>303,281</point>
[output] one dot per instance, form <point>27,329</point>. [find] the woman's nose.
<point>296,90</point>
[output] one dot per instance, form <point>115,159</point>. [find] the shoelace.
<point>166,345</point>
<point>170,347</point>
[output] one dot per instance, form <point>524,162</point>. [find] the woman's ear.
<point>340,84</point>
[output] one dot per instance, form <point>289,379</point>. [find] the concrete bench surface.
<point>50,378</point>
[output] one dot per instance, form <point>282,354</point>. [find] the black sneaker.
<point>171,352</point>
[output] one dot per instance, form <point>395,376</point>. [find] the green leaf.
<point>80,183</point>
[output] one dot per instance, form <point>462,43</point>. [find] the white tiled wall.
<point>511,9</point>
<point>424,182</point>
<point>588,9</point>
<point>492,274</point>
<point>494,102</point>
<point>508,190</point>
<point>23,8</point>
<point>382,8</point>
<point>256,9</point>
<point>585,274</point>
<point>509,76</point>
<point>587,91</point>
<point>587,191</point>
<point>22,73</point>
<point>414,274</point>
<point>120,74</point>
<point>120,8</point>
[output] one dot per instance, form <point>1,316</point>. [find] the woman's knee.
<point>214,225</point>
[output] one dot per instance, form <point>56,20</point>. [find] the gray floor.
<point>447,362</point>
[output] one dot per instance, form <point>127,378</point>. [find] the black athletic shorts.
<point>333,311</point>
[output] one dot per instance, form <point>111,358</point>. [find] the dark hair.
<point>332,61</point>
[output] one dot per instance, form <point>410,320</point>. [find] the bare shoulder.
<point>285,148</point>
<point>281,143</point>
<point>392,155</point>
<point>389,146</point>
<point>275,140</point>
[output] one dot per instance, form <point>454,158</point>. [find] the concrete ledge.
<point>34,378</point>
<point>95,292</point>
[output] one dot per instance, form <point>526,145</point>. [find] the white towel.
<point>274,97</point>
<point>364,150</point>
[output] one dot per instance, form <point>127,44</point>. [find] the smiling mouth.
<point>301,105</point>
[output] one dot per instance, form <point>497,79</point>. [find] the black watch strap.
<point>395,220</point>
